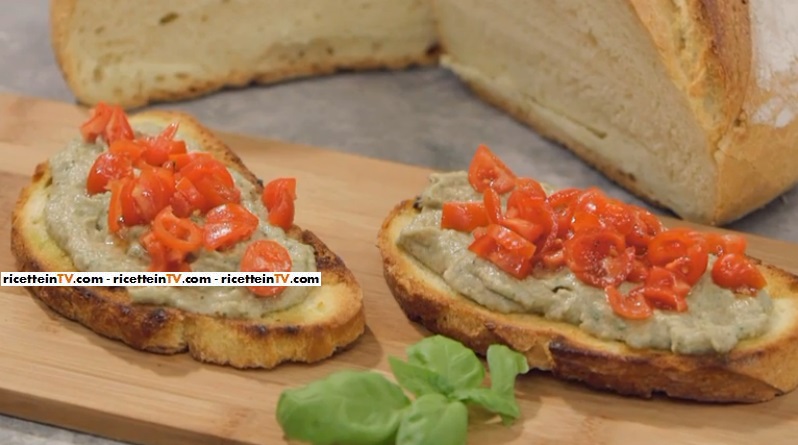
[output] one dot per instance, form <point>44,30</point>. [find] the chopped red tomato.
<point>662,298</point>
<point>266,256</point>
<point>506,249</point>
<point>599,258</point>
<point>488,171</point>
<point>115,207</point>
<point>662,278</point>
<point>562,204</point>
<point>162,147</point>
<point>186,199</point>
<point>719,245</point>
<point>633,306</point>
<point>131,149</point>
<point>178,234</point>
<point>118,126</point>
<point>213,181</point>
<point>131,215</point>
<point>493,205</point>
<point>228,224</point>
<point>529,230</point>
<point>106,167</point>
<point>97,122</point>
<point>524,205</point>
<point>682,251</point>
<point>639,272</point>
<point>463,216</point>
<point>153,191</point>
<point>736,272</point>
<point>530,187</point>
<point>278,198</point>
<point>162,259</point>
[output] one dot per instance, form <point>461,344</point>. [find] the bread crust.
<point>756,370</point>
<point>61,14</point>
<point>288,335</point>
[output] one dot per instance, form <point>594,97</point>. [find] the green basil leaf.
<point>490,400</point>
<point>457,364</point>
<point>417,379</point>
<point>433,419</point>
<point>505,364</point>
<point>357,408</point>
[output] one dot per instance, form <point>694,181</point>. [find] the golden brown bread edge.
<point>260,343</point>
<point>61,12</point>
<point>757,370</point>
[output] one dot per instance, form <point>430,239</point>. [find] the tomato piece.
<point>529,230</point>
<point>645,226</point>
<point>463,216</point>
<point>488,171</point>
<point>213,181</point>
<point>639,272</point>
<point>131,149</point>
<point>97,122</point>
<point>562,204</point>
<point>530,187</point>
<point>633,306</point>
<point>719,245</point>
<point>736,272</point>
<point>662,278</point>
<point>493,205</point>
<point>178,234</point>
<point>266,256</point>
<point>683,251</point>
<point>479,232</point>
<point>186,198</point>
<point>506,249</point>
<point>162,259</point>
<point>153,191</point>
<point>278,198</point>
<point>106,167</point>
<point>130,211</point>
<point>115,207</point>
<point>118,127</point>
<point>554,259</point>
<point>524,205</point>
<point>599,258</point>
<point>662,298</point>
<point>228,224</point>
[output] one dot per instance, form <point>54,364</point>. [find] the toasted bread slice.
<point>755,370</point>
<point>331,317</point>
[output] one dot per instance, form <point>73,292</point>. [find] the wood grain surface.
<point>57,372</point>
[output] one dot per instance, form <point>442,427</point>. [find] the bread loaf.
<point>689,104</point>
<point>132,52</point>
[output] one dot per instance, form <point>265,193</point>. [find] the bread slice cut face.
<point>688,104</point>
<point>58,226</point>
<point>576,309</point>
<point>131,53</point>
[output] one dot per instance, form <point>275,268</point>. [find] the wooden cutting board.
<point>57,372</point>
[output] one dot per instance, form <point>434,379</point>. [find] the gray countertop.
<point>422,117</point>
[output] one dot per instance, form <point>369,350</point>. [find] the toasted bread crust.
<point>756,370</point>
<point>242,343</point>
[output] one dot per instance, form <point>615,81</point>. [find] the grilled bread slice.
<point>331,317</point>
<point>755,370</point>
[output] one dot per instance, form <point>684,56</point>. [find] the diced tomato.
<point>645,226</point>
<point>719,245</point>
<point>562,204</point>
<point>186,199</point>
<point>106,167</point>
<point>212,179</point>
<point>266,256</point>
<point>640,270</point>
<point>479,232</point>
<point>633,306</point>
<point>683,251</point>
<point>97,122</point>
<point>493,205</point>
<point>131,149</point>
<point>227,225</point>
<point>153,191</point>
<point>488,171</point>
<point>178,234</point>
<point>662,278</point>
<point>118,126</point>
<point>161,148</point>
<point>599,258</point>
<point>530,187</point>
<point>131,215</point>
<point>736,272</point>
<point>115,207</point>
<point>463,216</point>
<point>523,205</point>
<point>529,230</point>
<point>662,298</point>
<point>506,249</point>
<point>162,259</point>
<point>278,198</point>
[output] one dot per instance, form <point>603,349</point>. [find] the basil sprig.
<point>365,408</point>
